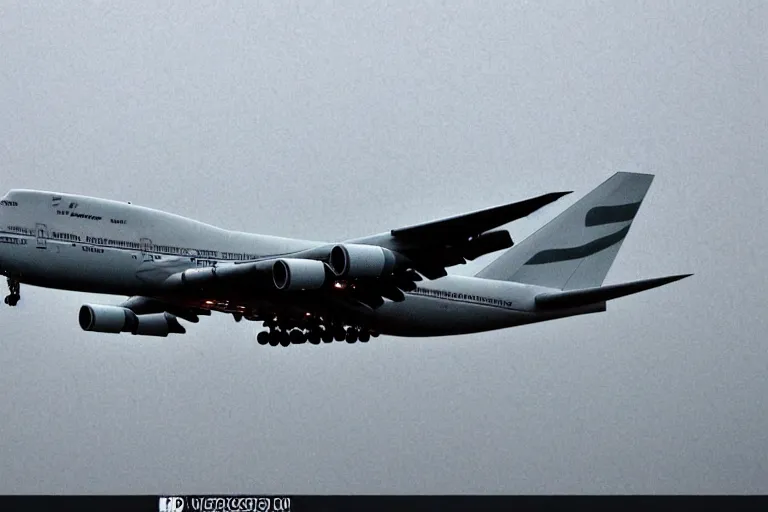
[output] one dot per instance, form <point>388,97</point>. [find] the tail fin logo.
<point>575,253</point>
<point>576,248</point>
<point>600,215</point>
<point>597,216</point>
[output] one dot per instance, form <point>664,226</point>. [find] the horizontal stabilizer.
<point>576,298</point>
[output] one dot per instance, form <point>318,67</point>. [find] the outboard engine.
<point>116,319</point>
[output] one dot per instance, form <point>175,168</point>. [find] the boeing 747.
<point>394,283</point>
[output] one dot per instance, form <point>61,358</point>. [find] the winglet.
<point>576,298</point>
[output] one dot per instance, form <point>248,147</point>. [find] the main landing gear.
<point>315,335</point>
<point>15,288</point>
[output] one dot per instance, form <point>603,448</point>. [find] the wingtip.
<point>554,196</point>
<point>672,279</point>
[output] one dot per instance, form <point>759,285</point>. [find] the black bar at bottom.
<point>298,503</point>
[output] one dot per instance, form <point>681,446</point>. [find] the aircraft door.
<point>41,230</point>
<point>146,247</point>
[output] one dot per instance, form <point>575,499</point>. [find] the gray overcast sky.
<point>331,120</point>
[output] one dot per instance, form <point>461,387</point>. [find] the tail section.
<point>575,250</point>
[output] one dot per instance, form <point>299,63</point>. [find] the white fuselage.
<point>95,245</point>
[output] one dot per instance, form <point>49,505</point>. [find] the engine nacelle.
<point>358,260</point>
<point>198,276</point>
<point>157,324</point>
<point>207,276</point>
<point>115,319</point>
<point>100,318</point>
<point>291,274</point>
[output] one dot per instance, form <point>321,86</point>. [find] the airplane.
<point>393,283</point>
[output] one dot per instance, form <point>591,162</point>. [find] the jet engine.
<point>358,260</point>
<point>207,276</point>
<point>115,319</point>
<point>291,274</point>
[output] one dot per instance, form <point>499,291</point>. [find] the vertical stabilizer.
<point>576,249</point>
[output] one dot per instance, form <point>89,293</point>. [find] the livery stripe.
<point>575,253</point>
<point>600,215</point>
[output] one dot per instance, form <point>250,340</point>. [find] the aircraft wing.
<point>436,245</point>
<point>314,277</point>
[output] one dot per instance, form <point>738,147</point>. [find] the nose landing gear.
<point>15,288</point>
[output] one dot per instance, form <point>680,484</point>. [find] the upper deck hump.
<point>94,217</point>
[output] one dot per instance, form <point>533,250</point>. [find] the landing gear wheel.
<point>314,337</point>
<point>364,337</point>
<point>326,336</point>
<point>15,288</point>
<point>285,339</point>
<point>274,338</point>
<point>351,335</point>
<point>263,338</point>
<point>297,337</point>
